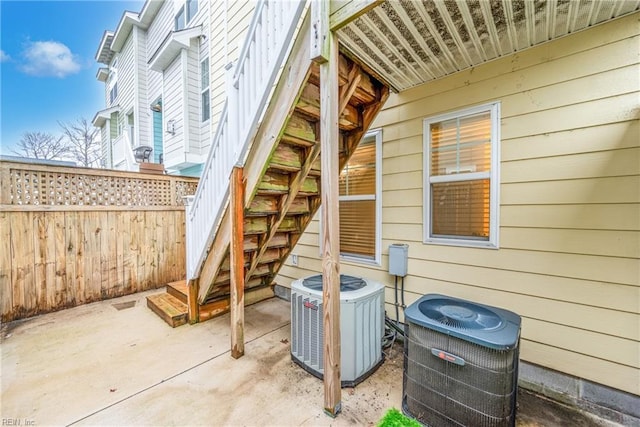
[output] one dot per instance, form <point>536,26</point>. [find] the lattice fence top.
<point>27,184</point>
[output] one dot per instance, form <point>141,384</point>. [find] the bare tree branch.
<point>82,139</point>
<point>41,145</point>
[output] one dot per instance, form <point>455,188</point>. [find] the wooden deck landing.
<point>171,305</point>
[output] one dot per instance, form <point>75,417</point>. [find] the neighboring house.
<point>156,76</point>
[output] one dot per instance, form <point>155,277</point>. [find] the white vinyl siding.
<point>143,127</point>
<point>161,25</point>
<point>126,78</point>
<point>193,100</point>
<point>172,109</point>
<point>569,257</point>
<point>228,32</point>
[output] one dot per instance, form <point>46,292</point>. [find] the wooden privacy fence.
<point>70,236</point>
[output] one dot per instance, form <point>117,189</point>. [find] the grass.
<point>395,418</point>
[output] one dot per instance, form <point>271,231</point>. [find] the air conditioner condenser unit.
<point>361,326</point>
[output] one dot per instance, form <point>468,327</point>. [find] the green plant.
<point>395,418</point>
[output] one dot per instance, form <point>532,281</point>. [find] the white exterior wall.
<point>172,107</point>
<point>205,127</point>
<point>126,89</point>
<point>229,24</point>
<point>143,116</point>
<point>192,86</point>
<point>157,31</point>
<point>159,28</point>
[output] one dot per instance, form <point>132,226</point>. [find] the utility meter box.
<point>398,255</point>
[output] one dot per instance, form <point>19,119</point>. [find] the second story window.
<point>192,9</point>
<point>113,93</point>
<point>205,103</point>
<point>179,20</point>
<point>186,14</point>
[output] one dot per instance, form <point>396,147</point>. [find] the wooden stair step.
<point>178,290</point>
<point>221,306</point>
<point>169,308</point>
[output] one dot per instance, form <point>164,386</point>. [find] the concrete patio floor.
<point>116,363</point>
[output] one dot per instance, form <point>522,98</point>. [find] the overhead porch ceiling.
<point>410,42</point>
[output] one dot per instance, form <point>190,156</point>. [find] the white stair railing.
<point>249,85</point>
<point>123,154</point>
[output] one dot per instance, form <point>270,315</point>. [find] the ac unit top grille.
<point>492,327</point>
<point>459,314</point>
<point>347,283</point>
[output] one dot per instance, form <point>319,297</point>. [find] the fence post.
<point>174,199</point>
<point>5,184</point>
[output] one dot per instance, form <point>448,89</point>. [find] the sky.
<point>47,63</point>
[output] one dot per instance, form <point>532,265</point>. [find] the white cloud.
<point>49,58</point>
<point>4,56</point>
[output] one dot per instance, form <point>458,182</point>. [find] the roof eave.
<point>171,46</point>
<point>126,24</point>
<point>104,52</point>
<point>101,116</point>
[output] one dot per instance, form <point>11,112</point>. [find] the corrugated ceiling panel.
<point>409,42</point>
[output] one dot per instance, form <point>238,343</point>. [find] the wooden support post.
<point>329,140</point>
<point>193,308</point>
<point>237,263</point>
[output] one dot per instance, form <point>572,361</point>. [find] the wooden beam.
<point>346,91</point>
<point>329,138</point>
<point>237,263</point>
<point>345,11</point>
<point>319,29</point>
<point>192,301</point>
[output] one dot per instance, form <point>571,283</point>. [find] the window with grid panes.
<point>359,201</point>
<point>461,177</point>
<point>205,103</point>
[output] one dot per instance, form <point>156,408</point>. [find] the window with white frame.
<point>179,20</point>
<point>461,165</point>
<point>185,14</point>
<point>113,93</point>
<point>192,9</point>
<point>360,201</point>
<point>205,101</point>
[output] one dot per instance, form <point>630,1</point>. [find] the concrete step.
<point>178,290</point>
<point>169,308</point>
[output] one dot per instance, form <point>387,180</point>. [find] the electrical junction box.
<point>398,256</point>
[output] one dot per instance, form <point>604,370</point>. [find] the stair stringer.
<point>286,94</point>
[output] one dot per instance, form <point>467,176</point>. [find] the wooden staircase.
<point>282,177</point>
<point>283,181</point>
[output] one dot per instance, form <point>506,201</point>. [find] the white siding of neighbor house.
<point>161,25</point>
<point>229,25</point>
<point>569,257</point>
<point>126,76</point>
<point>144,115</point>
<point>204,127</point>
<point>172,109</point>
<point>104,144</point>
<point>192,84</point>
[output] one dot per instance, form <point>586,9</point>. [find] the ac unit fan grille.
<point>479,393</point>
<point>460,314</point>
<point>347,283</point>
